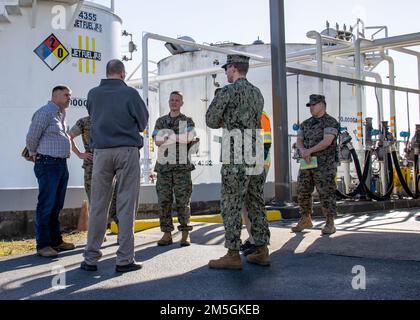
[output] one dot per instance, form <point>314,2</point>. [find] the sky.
<point>243,21</point>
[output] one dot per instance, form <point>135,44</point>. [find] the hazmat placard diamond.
<point>51,51</point>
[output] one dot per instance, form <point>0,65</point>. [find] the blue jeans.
<point>52,175</point>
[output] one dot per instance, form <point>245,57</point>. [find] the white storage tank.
<point>42,45</point>
<point>199,92</point>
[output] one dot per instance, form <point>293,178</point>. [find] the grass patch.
<point>11,248</point>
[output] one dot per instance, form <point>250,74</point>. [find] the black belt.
<point>44,157</point>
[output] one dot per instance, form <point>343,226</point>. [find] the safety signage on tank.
<point>89,21</point>
<point>52,52</point>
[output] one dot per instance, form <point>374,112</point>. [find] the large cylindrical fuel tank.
<point>41,45</point>
<point>199,92</point>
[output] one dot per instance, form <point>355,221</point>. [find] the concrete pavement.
<point>304,266</point>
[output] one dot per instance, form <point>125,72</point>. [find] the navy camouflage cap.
<point>235,58</point>
<point>315,99</point>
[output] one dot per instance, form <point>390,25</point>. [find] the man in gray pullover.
<point>118,116</point>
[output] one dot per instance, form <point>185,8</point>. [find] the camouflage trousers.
<point>112,211</point>
<point>168,185</point>
<point>324,181</point>
<point>241,190</point>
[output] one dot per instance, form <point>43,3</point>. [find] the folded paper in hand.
<point>306,166</point>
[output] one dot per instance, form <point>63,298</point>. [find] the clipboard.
<point>307,166</point>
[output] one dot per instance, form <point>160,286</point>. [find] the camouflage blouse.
<point>175,157</point>
<point>82,127</point>
<point>237,106</point>
<point>313,131</point>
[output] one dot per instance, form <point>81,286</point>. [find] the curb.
<point>141,225</point>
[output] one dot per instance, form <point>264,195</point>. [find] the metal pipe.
<point>378,79</point>
<point>34,13</point>
<point>113,5</point>
<point>408,115</point>
<point>346,65</point>
<point>347,175</point>
<point>387,43</point>
<point>280,113</point>
<point>349,65</point>
<point>360,21</point>
<point>393,123</point>
<point>380,29</point>
<point>350,80</point>
<point>384,175</point>
<point>319,55</point>
<point>145,75</point>
<point>416,54</point>
<point>188,74</point>
<point>359,98</point>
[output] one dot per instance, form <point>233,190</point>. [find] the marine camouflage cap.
<point>235,58</point>
<point>315,99</point>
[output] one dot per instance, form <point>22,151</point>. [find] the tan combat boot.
<point>329,226</point>
<point>184,239</point>
<point>166,240</point>
<point>232,260</point>
<point>261,256</point>
<point>304,223</point>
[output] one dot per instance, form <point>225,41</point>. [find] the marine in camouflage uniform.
<point>82,128</point>
<point>173,169</point>
<point>319,132</point>
<point>238,107</point>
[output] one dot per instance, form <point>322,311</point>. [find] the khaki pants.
<point>124,163</point>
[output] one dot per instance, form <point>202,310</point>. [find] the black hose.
<point>401,177</point>
<point>361,176</point>
<point>387,195</point>
<point>362,188</point>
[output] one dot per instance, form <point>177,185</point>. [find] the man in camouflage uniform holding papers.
<point>237,108</point>
<point>174,134</point>
<point>317,144</point>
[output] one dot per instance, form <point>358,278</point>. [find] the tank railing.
<point>346,66</point>
<point>361,46</point>
<point>136,69</point>
<point>145,77</point>
<point>326,76</point>
<point>341,80</point>
<point>412,53</point>
<point>406,40</point>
